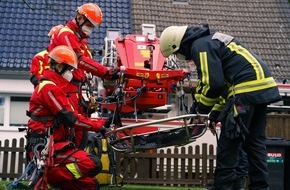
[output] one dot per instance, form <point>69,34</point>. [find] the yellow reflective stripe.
<point>72,108</point>
<point>198,86</point>
<point>207,101</point>
<point>218,107</point>
<point>65,29</point>
<point>252,86</point>
<point>220,104</point>
<point>249,57</point>
<point>204,71</point>
<point>42,53</point>
<point>40,67</point>
<point>73,168</point>
<point>88,51</point>
<point>43,83</point>
<point>197,97</point>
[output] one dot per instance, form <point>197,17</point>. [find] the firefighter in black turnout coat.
<point>221,60</point>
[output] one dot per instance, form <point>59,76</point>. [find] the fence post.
<point>168,165</point>
<point>197,162</point>
<point>175,164</point>
<point>161,165</point>
<point>153,164</point>
<point>190,164</point>
<point>5,159</point>
<point>21,157</point>
<point>204,165</point>
<point>182,162</point>
<point>211,162</point>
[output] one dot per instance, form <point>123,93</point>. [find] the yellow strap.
<point>43,83</point>
<point>235,111</point>
<point>252,86</point>
<point>104,145</point>
<point>72,167</point>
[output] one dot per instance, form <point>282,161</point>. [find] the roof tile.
<point>24,27</point>
<point>262,27</point>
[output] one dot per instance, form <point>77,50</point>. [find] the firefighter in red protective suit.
<point>49,107</point>
<point>39,62</point>
<point>75,35</point>
<point>221,60</point>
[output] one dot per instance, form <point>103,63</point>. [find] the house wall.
<point>13,88</point>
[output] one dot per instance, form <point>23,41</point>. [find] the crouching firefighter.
<point>52,117</point>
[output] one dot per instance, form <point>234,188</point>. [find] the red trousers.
<point>74,170</point>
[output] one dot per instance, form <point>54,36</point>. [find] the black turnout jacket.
<point>221,60</point>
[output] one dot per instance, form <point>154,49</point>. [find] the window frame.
<point>7,109</point>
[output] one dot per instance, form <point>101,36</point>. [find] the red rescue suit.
<point>72,168</point>
<point>39,63</point>
<point>71,36</point>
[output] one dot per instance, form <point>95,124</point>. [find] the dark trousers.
<point>228,153</point>
<point>243,165</point>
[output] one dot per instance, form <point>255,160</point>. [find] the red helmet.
<point>64,55</point>
<point>92,12</point>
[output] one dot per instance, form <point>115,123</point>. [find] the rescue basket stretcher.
<point>173,131</point>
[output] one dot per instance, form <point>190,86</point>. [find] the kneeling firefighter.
<point>50,110</point>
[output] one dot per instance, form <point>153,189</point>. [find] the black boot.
<point>228,186</point>
<point>98,186</point>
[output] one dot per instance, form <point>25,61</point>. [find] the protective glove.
<point>193,107</point>
<point>232,129</point>
<point>108,122</point>
<point>34,80</point>
<point>234,125</point>
<point>212,127</point>
<point>244,131</point>
<point>104,131</point>
<point>213,121</point>
<point>112,73</point>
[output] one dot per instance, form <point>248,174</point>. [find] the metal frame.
<point>185,125</point>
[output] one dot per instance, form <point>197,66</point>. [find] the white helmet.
<point>170,39</point>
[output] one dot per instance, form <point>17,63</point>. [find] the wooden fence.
<point>278,125</point>
<point>182,166</point>
<point>178,166</point>
<point>12,159</point>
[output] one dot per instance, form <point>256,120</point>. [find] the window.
<point>13,110</point>
<point>2,101</point>
<point>18,107</point>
